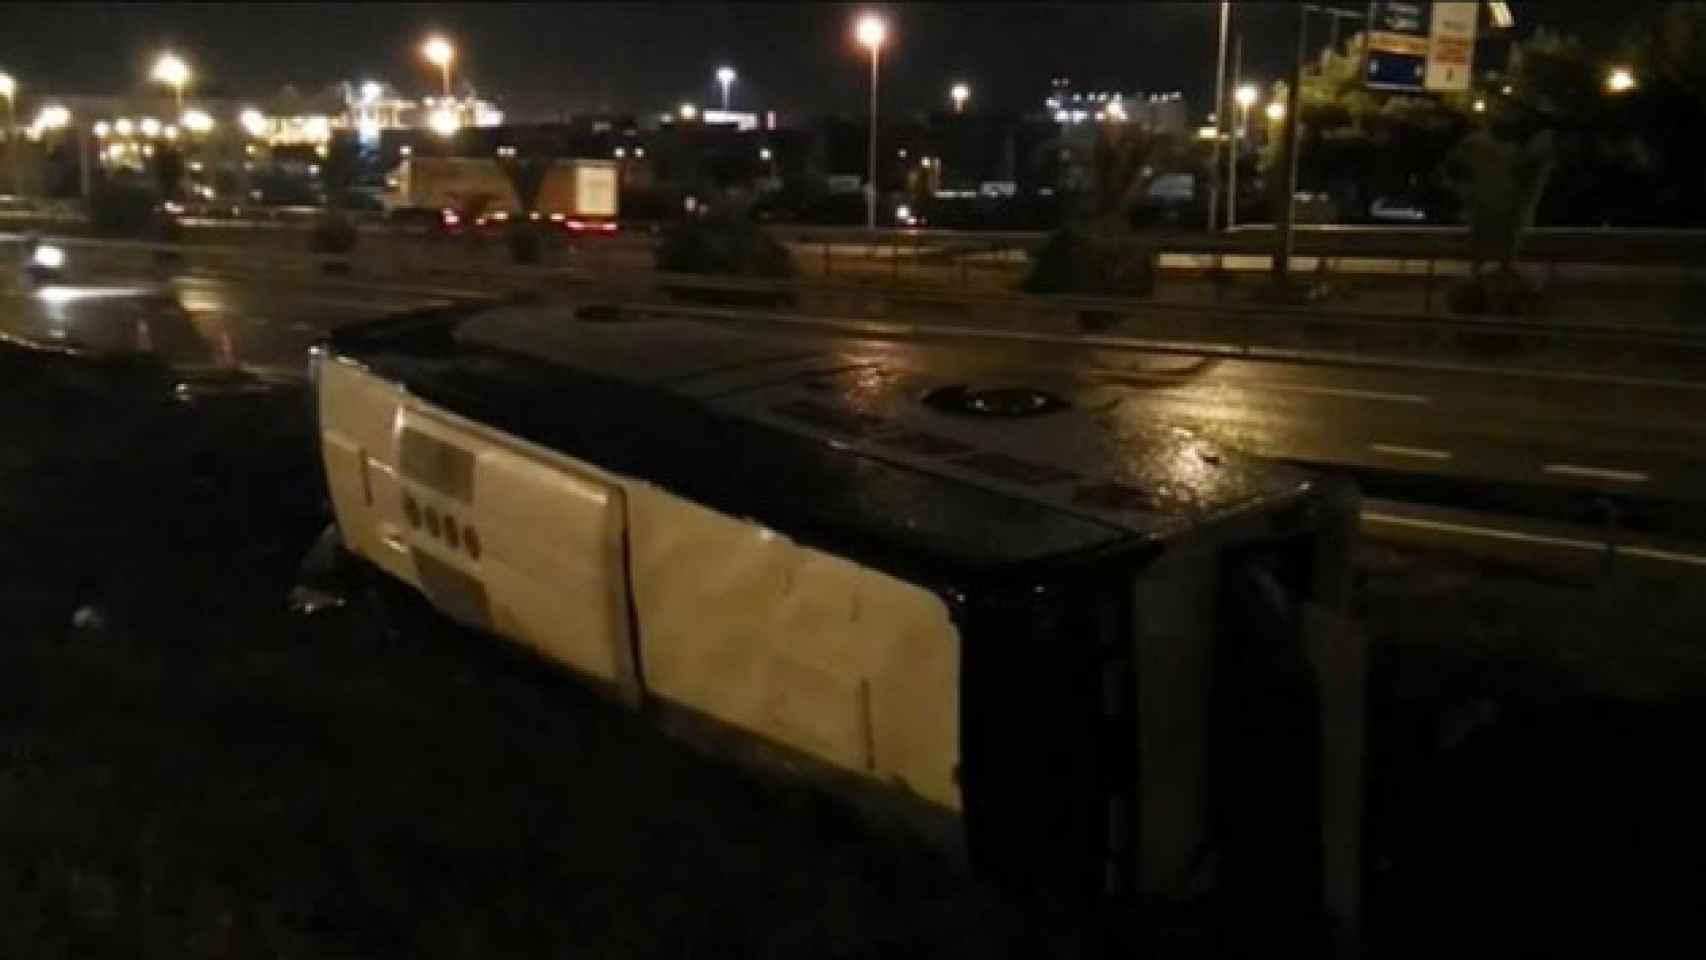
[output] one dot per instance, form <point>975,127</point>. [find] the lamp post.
<point>1620,80</point>
<point>439,52</point>
<point>1246,97</point>
<point>961,93</point>
<point>9,90</point>
<point>1219,117</point>
<point>726,77</point>
<point>871,32</point>
<point>172,71</point>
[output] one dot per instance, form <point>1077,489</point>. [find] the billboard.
<point>1418,47</point>
<point>1451,46</point>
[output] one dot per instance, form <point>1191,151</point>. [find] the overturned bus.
<point>1105,659</point>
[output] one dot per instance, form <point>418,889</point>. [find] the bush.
<point>724,246</point>
<point>333,233</point>
<point>526,246</point>
<point>1093,260</point>
<point>122,211</point>
<point>1503,292</point>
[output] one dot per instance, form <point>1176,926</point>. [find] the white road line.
<point>1353,393</point>
<point>1594,473</point>
<point>1399,450</point>
<point>1492,533</point>
<point>1671,556</point>
<point>1515,536</point>
<point>1186,380</point>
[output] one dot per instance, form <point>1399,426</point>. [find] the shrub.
<point>1104,260</point>
<point>723,245</point>
<point>117,210</point>
<point>526,246</point>
<point>1501,292</point>
<point>333,233</point>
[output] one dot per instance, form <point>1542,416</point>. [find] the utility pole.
<point>1238,131</point>
<point>1219,118</point>
<point>1288,209</point>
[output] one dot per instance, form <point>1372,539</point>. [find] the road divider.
<point>1594,473</point>
<point>1400,450</point>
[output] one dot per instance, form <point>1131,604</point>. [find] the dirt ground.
<point>187,770</point>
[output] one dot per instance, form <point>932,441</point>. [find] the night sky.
<point>642,57</point>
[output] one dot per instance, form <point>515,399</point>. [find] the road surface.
<point>1575,441</point>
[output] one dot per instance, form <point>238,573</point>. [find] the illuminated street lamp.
<point>172,71</point>
<point>444,123</point>
<point>1246,97</point>
<point>254,123</point>
<point>197,121</point>
<point>1620,80</point>
<point>52,118</point>
<point>689,111</point>
<point>440,54</point>
<point>960,94</point>
<point>9,90</point>
<point>1275,111</point>
<point>871,31</point>
<point>726,77</point>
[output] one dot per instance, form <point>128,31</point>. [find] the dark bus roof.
<point>902,458</point>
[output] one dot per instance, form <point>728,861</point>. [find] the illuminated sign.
<point>1417,47</point>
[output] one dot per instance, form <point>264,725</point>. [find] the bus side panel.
<point>527,547</point>
<point>357,416</point>
<point>795,646</point>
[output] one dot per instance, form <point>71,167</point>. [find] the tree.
<point>1096,251</point>
<point>167,169</point>
<point>526,177</point>
<point>1500,184</point>
<point>339,170</point>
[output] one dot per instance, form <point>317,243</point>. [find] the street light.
<point>961,93</point>
<point>1620,80</point>
<point>197,121</point>
<point>9,90</point>
<point>254,122</point>
<point>689,111</point>
<point>1275,111</point>
<point>172,71</point>
<point>726,77</point>
<point>871,32</point>
<point>440,54</point>
<point>444,123</point>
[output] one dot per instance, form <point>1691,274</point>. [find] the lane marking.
<point>1254,385</point>
<point>1569,543</point>
<point>1399,450</point>
<point>1493,533</point>
<point>1594,473</point>
<point>1653,553</point>
<point>1352,392</point>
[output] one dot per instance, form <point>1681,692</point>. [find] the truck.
<point>578,195</point>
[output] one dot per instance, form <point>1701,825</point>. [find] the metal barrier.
<point>1246,329</point>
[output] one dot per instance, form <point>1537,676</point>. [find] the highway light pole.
<point>9,90</point>
<point>439,52</point>
<point>1288,209</point>
<point>726,77</point>
<point>871,32</point>
<point>1219,118</point>
<point>171,70</point>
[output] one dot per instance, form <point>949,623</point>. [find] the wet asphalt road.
<point>1576,438</point>
<point>195,321</point>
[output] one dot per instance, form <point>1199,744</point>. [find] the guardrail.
<point>1557,348</point>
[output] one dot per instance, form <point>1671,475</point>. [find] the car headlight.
<point>49,257</point>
